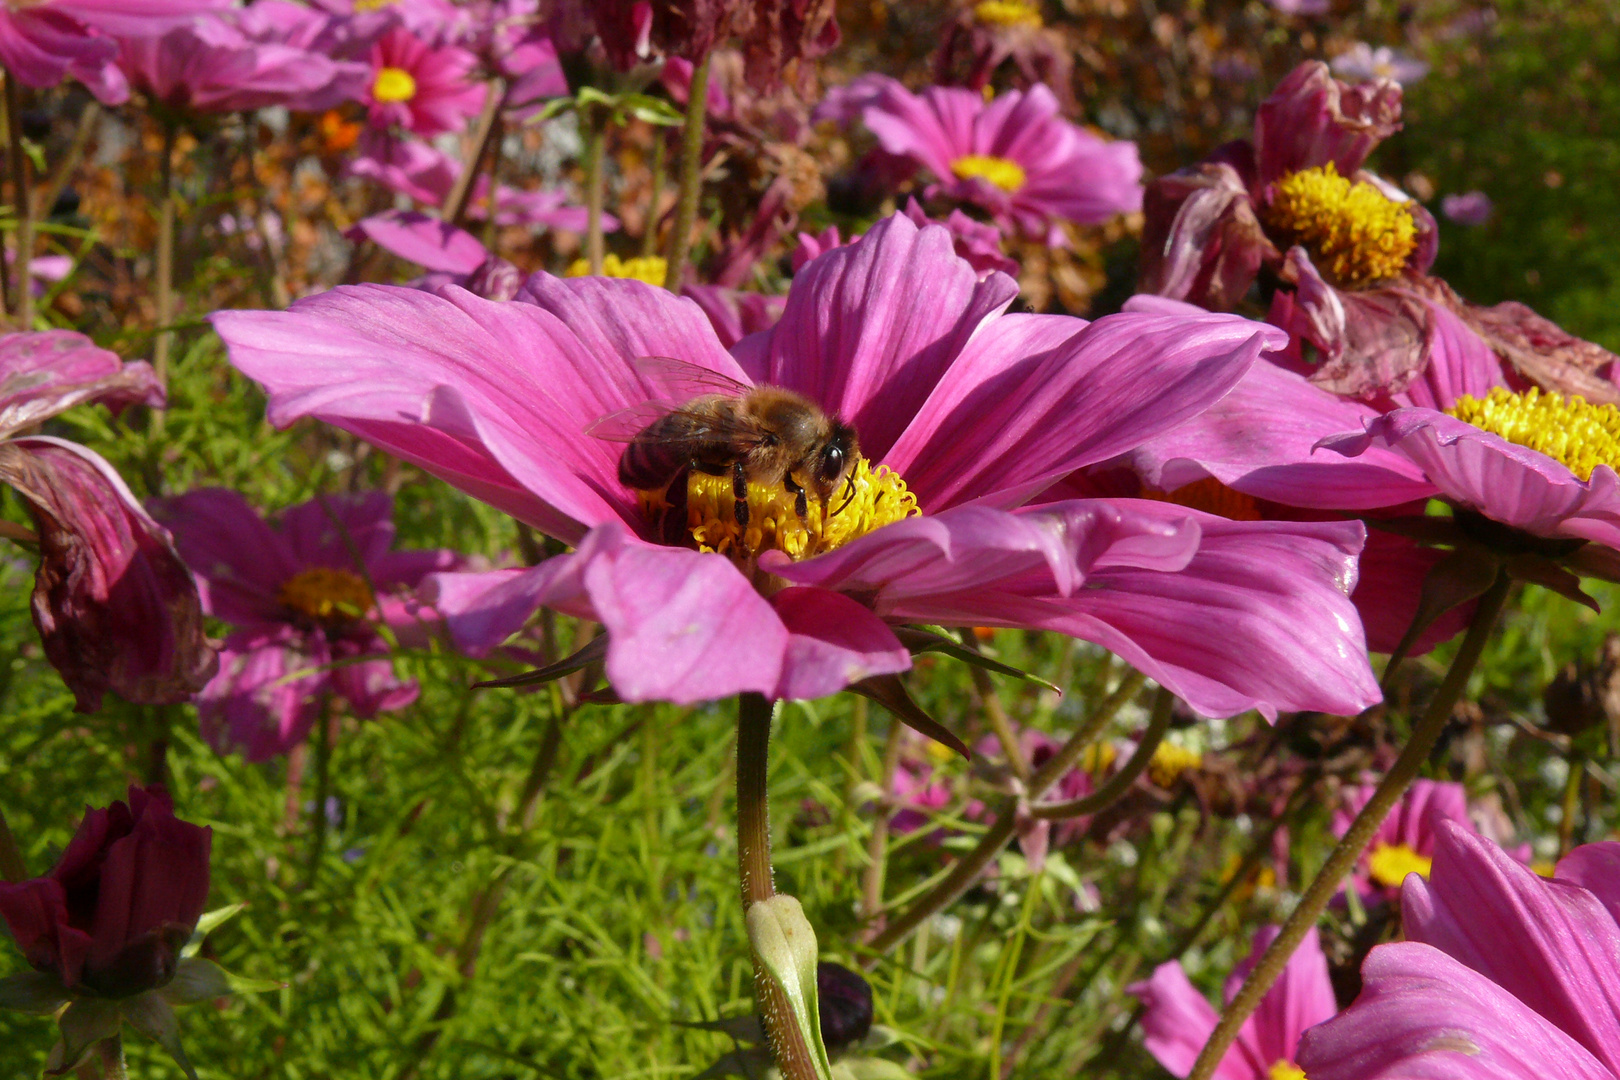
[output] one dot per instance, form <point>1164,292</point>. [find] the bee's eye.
<point>832,464</point>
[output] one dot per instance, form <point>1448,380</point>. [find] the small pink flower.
<point>420,88</point>
<point>1469,208</point>
<point>1405,841</point>
<point>303,598</point>
<point>1014,155</point>
<point>1179,1019</point>
<point>1504,975</point>
<point>1363,63</point>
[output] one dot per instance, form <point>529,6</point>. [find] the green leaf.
<point>32,992</point>
<point>926,639</point>
<point>150,1015</point>
<point>210,921</point>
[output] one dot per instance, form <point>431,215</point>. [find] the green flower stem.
<point>877,847</point>
<point>680,241</point>
<point>22,205</point>
<point>1118,784</point>
<point>1394,784</point>
<point>11,860</point>
<point>323,790</point>
<point>455,205</point>
<point>649,234</point>
<point>165,264</point>
<point>595,125</point>
<point>968,868</point>
<point>796,1060</point>
<point>112,1058</point>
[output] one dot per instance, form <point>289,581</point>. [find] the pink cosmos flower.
<point>418,170</point>
<point>303,598</point>
<point>915,793</point>
<point>962,411</point>
<point>44,41</point>
<point>420,88</point>
<point>1301,7</point>
<point>976,241</point>
<point>1015,156</point>
<point>241,60</point>
<point>1503,975</point>
<point>1404,843</point>
<point>114,605</point>
<point>1363,63</point>
<point>1179,1019</point>
<point>1470,208</point>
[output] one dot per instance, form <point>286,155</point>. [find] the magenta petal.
<point>264,699</point>
<point>239,560</point>
<point>46,373</point>
<point>1459,363</point>
<point>427,241</point>
<point>1424,1016</point>
<point>116,608</point>
<point>870,328</point>
<point>832,642</point>
<point>1312,119</point>
<point>1508,483</point>
<point>482,610</point>
<point>1551,944</point>
<point>1261,439</point>
<point>1034,397</point>
<point>349,532</point>
<point>1178,1022</point>
<point>370,686</point>
<point>1301,998</point>
<point>1595,868</point>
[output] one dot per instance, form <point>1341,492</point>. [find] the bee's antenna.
<point>849,484</point>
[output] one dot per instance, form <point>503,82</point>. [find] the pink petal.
<point>48,372</point>
<point>1551,944</point>
<point>239,560</point>
<point>1178,1022</point>
<point>1424,1016</point>
<point>832,642</point>
<point>348,532</point>
<point>1312,119</point>
<point>427,241</point>
<point>263,702</point>
<point>1301,998</point>
<point>870,328</point>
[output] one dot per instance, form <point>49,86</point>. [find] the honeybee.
<point>761,434</point>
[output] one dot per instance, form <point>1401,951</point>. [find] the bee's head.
<point>836,460</point>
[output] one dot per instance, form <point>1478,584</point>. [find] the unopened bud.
<point>784,946</point>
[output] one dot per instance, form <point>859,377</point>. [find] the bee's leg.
<point>672,525</point>
<point>800,505</point>
<point>739,492</point>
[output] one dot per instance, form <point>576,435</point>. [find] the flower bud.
<point>845,1001</point>
<point>785,973</point>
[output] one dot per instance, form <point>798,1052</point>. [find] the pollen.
<point>880,498</point>
<point>1283,1069</point>
<point>1006,13</point>
<point>1355,233</point>
<point>393,84</point>
<point>327,595</point>
<point>1004,174</point>
<point>1569,429</point>
<point>371,5</point>
<point>1212,497</point>
<point>648,268</point>
<point>1390,863</point>
<point>1169,761</point>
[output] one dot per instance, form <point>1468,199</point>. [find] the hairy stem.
<point>968,868</point>
<point>680,241</point>
<point>455,205</point>
<point>1116,786</point>
<point>649,234</point>
<point>793,1057</point>
<point>23,205</point>
<point>1394,784</point>
<point>111,1052</point>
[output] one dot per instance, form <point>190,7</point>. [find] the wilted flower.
<point>963,414</point>
<point>1363,63</point>
<point>305,599</point>
<point>770,35</point>
<point>105,929</point>
<point>1178,1019</point>
<point>115,607</point>
<point>1469,208</point>
<point>44,41</point>
<point>987,33</point>
<point>1503,974</point>
<point>1014,155</point>
<point>419,87</point>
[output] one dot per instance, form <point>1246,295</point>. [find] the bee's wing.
<point>680,382</point>
<point>626,424</point>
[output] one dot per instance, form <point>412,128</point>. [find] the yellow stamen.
<point>1286,1070</point>
<point>371,5</point>
<point>1098,757</point>
<point>1545,867</point>
<point>1007,13</point>
<point>1212,497</point>
<point>1355,233</point>
<point>327,595</point>
<point>648,268</point>
<point>1004,174</point>
<point>1389,864</point>
<point>1570,429</point>
<point>880,498</point>
<point>393,84</point>
<point>1169,761</point>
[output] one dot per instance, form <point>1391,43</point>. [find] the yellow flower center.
<point>1390,863</point>
<point>1570,429</point>
<point>1004,174</point>
<point>371,5</point>
<point>880,498</point>
<point>327,595</point>
<point>648,268</point>
<point>1212,497</point>
<point>1286,1070</point>
<point>1006,13</point>
<point>1355,233</point>
<point>1098,757</point>
<point>1169,761</point>
<point>393,84</point>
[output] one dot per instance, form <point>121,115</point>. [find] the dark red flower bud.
<point>845,1002</point>
<point>111,917</point>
